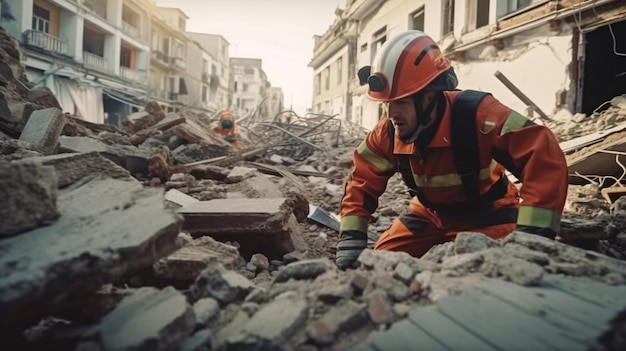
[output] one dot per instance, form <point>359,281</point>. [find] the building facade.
<point>168,60</point>
<point>92,54</point>
<point>542,47</point>
<point>276,102</point>
<point>219,71</point>
<point>250,87</point>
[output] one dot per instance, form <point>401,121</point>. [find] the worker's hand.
<point>545,232</point>
<point>351,244</point>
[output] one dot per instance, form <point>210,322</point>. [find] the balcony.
<point>96,62</point>
<point>177,62</point>
<point>160,56</point>
<point>131,30</point>
<point>45,41</point>
<point>132,74</point>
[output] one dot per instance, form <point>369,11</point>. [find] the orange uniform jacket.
<point>231,133</point>
<point>530,151</point>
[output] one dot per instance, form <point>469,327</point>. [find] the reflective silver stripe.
<point>539,217</point>
<point>379,162</point>
<point>353,223</point>
<point>351,243</point>
<point>515,121</point>
<point>451,179</point>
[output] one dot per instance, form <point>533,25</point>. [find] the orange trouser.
<point>416,231</point>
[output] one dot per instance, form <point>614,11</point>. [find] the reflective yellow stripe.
<point>515,121</point>
<point>353,223</point>
<point>450,179</point>
<point>379,162</point>
<point>539,217</point>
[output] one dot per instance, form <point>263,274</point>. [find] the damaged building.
<point>575,48</point>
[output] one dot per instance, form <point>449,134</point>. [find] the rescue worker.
<point>227,128</point>
<point>417,87</point>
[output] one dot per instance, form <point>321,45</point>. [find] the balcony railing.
<point>161,56</point>
<point>96,62</point>
<point>46,41</point>
<point>177,62</point>
<point>132,74</point>
<point>131,30</point>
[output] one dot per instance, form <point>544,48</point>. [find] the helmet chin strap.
<point>423,115</point>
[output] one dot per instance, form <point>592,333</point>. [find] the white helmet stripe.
<point>390,53</point>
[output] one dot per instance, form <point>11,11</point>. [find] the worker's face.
<point>402,115</point>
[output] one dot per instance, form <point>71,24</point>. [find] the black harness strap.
<point>464,141</point>
<point>465,154</point>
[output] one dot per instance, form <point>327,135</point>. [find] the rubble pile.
<point>160,235</point>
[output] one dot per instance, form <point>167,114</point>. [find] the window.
<point>126,57</point>
<point>339,69</point>
<point>318,84</point>
<point>41,19</point>
<point>448,16</point>
<point>482,13</point>
<point>235,87</point>
<point>416,19</point>
<point>364,47</point>
<point>378,39</point>
<point>204,93</point>
<point>504,7</point>
<point>326,78</point>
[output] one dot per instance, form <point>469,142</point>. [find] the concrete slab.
<point>235,216</point>
<point>71,167</point>
<point>108,229</point>
<point>266,226</point>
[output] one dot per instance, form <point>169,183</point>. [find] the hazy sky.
<point>280,32</point>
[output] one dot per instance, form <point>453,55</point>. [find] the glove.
<point>351,244</point>
<point>545,232</point>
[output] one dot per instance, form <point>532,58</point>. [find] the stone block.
<point>29,197</point>
<point>43,129</point>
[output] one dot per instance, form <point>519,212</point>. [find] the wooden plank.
<point>404,335</point>
<point>585,320</point>
<point>447,331</point>
<point>505,326</point>
<point>612,297</point>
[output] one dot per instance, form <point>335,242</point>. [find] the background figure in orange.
<point>227,128</point>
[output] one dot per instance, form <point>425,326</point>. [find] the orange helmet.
<point>404,65</point>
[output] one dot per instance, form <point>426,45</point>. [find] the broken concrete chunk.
<point>132,158</point>
<point>223,285</point>
<point>71,167</point>
<point>468,242</point>
<point>308,269</point>
<point>29,194</point>
<point>148,320</point>
<point>179,198</point>
<point>186,263</point>
<point>340,318</point>
<point>108,228</point>
<point>209,172</point>
<point>43,129</point>
<point>270,327</point>
<point>238,174</point>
